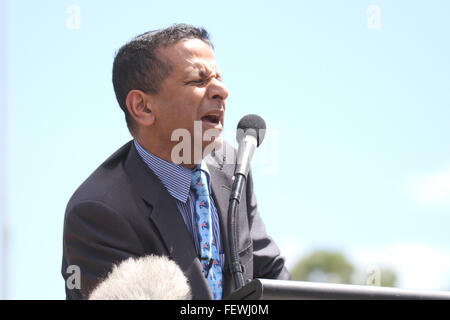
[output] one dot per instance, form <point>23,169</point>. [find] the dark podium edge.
<point>268,289</point>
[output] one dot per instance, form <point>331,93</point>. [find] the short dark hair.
<point>137,66</point>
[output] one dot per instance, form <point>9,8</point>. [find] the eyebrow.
<point>202,71</point>
<point>205,73</point>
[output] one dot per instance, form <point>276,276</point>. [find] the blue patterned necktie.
<point>208,249</point>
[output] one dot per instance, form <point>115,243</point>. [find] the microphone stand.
<point>250,133</point>
<point>237,269</point>
<point>247,147</point>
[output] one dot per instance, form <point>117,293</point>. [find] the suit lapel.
<point>172,229</point>
<point>168,221</point>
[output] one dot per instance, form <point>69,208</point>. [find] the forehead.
<point>191,56</point>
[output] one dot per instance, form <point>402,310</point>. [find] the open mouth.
<point>213,119</point>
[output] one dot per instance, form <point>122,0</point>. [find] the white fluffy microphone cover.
<point>147,278</point>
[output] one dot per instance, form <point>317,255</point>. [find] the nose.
<point>217,90</point>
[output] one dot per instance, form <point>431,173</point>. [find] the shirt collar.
<point>175,178</point>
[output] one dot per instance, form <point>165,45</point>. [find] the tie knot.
<point>199,182</point>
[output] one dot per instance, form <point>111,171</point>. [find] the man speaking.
<point>144,200</point>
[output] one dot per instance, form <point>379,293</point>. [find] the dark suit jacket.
<point>122,210</point>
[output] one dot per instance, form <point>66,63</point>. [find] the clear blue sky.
<point>357,102</point>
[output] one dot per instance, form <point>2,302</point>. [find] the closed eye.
<point>204,80</point>
<point>200,81</point>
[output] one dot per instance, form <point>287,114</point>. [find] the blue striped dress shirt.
<point>177,180</point>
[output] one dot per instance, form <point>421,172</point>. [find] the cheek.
<point>182,108</point>
<point>188,104</point>
<point>179,116</point>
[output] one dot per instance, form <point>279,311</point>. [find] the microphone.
<point>147,278</point>
<point>251,131</point>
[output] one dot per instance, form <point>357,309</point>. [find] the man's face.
<point>193,91</point>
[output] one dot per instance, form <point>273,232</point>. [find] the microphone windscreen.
<point>251,124</point>
<point>147,278</point>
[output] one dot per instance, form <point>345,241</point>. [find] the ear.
<point>139,107</point>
